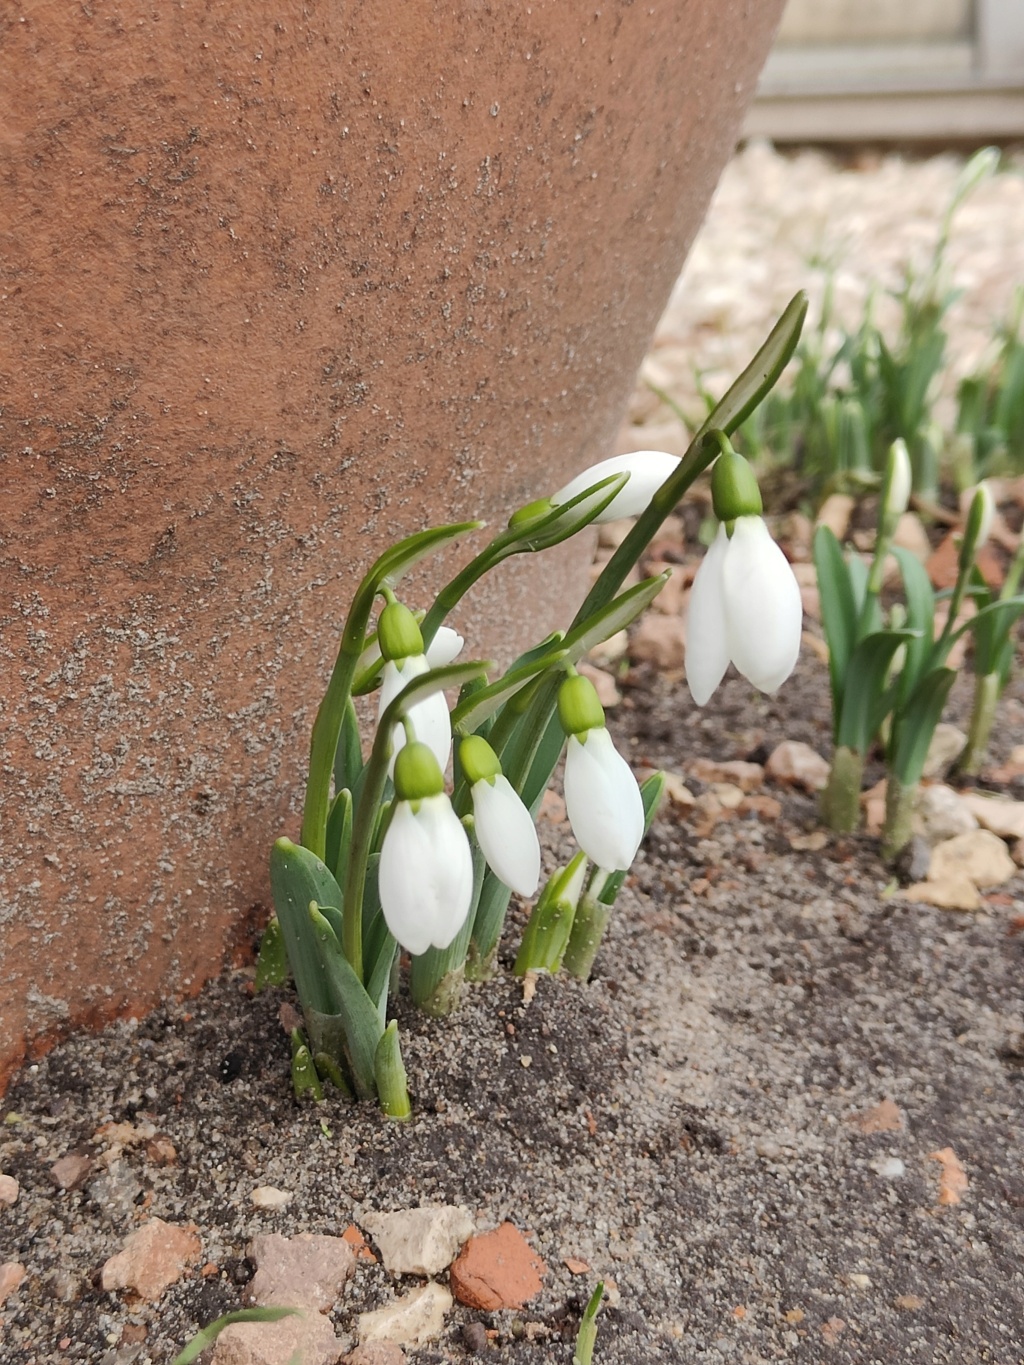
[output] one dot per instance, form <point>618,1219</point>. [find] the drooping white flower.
<point>430,718</point>
<point>445,647</point>
<point>504,826</point>
<point>745,608</point>
<point>425,877</point>
<point>602,800</point>
<point>647,470</point>
<point>401,645</point>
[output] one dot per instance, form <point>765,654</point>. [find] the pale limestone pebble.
<point>270,1198</point>
<point>747,776</point>
<point>610,651</point>
<point>307,1337</point>
<point>941,813</point>
<point>604,685</point>
<point>947,744</point>
<point>911,535</point>
<point>956,893</point>
<point>305,1271</point>
<point>798,764</point>
<point>412,1320</point>
<point>675,593</point>
<point>996,813</point>
<point>12,1276</point>
<point>888,1167</point>
<point>728,795</point>
<point>70,1171</point>
<point>421,1241</point>
<point>980,856</point>
<point>835,513</point>
<point>659,640</point>
<point>678,792</point>
<point>153,1258</point>
<point>378,1353</point>
<point>9,1191</point>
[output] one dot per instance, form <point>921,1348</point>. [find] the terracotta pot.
<point>281,283</point>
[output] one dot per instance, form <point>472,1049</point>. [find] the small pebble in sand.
<point>270,1198</point>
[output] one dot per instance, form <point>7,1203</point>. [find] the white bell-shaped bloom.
<point>445,647</point>
<point>426,874</point>
<point>430,718</point>
<point>602,800</point>
<point>647,470</point>
<point>506,833</point>
<point>745,608</point>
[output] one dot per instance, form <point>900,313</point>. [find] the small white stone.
<point>412,1320</point>
<point>9,1191</point>
<point>269,1197</point>
<point>860,1281</point>
<point>889,1167</point>
<point>422,1241</point>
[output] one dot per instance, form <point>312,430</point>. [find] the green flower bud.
<point>417,774</point>
<point>734,490</point>
<point>578,707</point>
<point>398,634</point>
<point>980,516</point>
<point>530,512</point>
<point>478,759</point>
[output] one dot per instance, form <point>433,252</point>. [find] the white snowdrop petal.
<point>507,835</point>
<point>451,869</point>
<point>603,801</point>
<point>430,718</point>
<point>405,896</point>
<point>426,875</point>
<point>445,647</point>
<point>707,644</point>
<point>763,610</point>
<point>647,470</point>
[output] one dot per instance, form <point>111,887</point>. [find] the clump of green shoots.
<point>888,671</point>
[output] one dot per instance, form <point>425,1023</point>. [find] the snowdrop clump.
<point>417,846</point>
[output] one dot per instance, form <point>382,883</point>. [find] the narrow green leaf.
<point>838,610</point>
<point>272,963</point>
<point>297,877</point>
<point>761,375</point>
<point>351,1002</point>
<point>339,833</point>
<point>867,699</point>
<point>608,620</point>
<point>920,618</point>
<point>586,1337</point>
<point>479,706</point>
<point>199,1343</point>
<point>348,758</point>
<point>917,720</point>
<point>389,1073</point>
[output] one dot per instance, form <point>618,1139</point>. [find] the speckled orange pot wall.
<point>279,283</point>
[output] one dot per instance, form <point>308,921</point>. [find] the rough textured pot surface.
<point>280,283</point>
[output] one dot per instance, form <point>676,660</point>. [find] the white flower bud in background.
<point>647,470</point>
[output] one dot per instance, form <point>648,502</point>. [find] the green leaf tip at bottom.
<point>587,1334</point>
<point>209,1334</point>
<point>389,1072</point>
<point>272,962</point>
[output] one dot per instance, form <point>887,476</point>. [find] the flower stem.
<point>983,714</point>
<point>588,928</point>
<point>840,801</point>
<point>900,802</point>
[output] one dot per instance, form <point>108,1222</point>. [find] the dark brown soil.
<point>683,1124</point>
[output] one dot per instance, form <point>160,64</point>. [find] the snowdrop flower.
<point>426,867</point>
<point>504,827</point>
<point>402,647</point>
<point>602,798</point>
<point>647,470</point>
<point>745,606</point>
<point>897,482</point>
<point>445,647</point>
